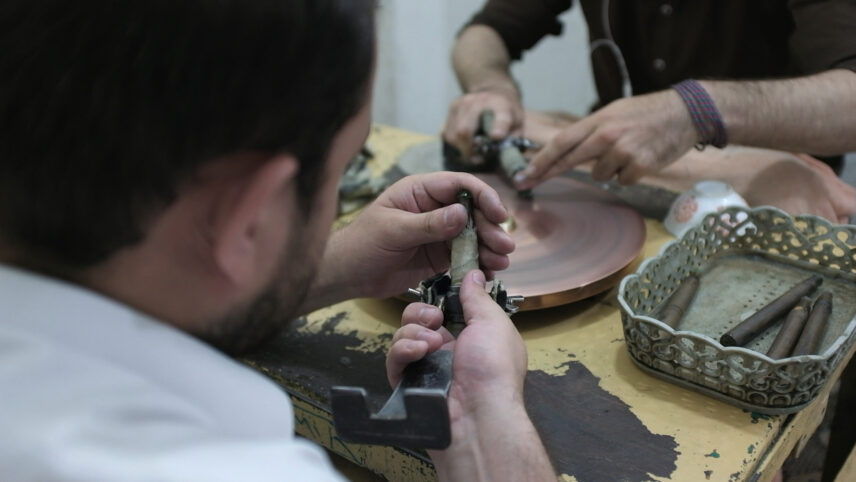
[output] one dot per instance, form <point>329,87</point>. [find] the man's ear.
<point>258,201</point>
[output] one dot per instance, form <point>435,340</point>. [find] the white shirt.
<point>93,390</point>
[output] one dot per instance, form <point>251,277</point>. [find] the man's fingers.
<point>553,172</point>
<point>828,212</point>
<point>843,199</point>
<point>433,190</point>
<point>605,168</point>
<point>617,161</point>
<point>422,314</point>
<point>816,207</point>
<point>421,333</point>
<point>502,123</point>
<point>477,304</point>
<point>488,203</point>
<point>428,316</point>
<point>493,236</point>
<point>844,204</point>
<point>401,354</point>
<point>557,152</point>
<point>414,229</point>
<point>842,196</point>
<point>466,125</point>
<point>816,164</point>
<point>492,261</point>
<point>462,121</point>
<point>460,128</point>
<point>416,332</point>
<point>631,171</point>
<point>630,174</point>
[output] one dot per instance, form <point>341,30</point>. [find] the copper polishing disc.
<point>573,241</point>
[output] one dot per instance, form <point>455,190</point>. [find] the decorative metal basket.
<point>744,258</point>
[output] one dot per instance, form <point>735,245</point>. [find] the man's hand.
<point>489,353</point>
<point>402,238</point>
<point>482,64</point>
<point>629,138</point>
<point>488,370</point>
<point>796,183</point>
<point>802,184</point>
<point>462,121</point>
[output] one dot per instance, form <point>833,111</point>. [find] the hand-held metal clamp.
<point>417,413</point>
<point>507,153</point>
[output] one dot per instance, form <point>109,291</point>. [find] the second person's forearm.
<point>482,63</point>
<point>815,114</point>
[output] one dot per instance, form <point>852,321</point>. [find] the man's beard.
<point>248,326</point>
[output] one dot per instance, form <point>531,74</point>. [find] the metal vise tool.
<point>416,415</point>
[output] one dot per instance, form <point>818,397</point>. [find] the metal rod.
<point>812,334</point>
<point>766,316</point>
<point>511,160</point>
<point>674,310</point>
<point>486,122</point>
<point>790,331</point>
<point>465,257</point>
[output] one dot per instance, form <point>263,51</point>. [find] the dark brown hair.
<point>106,105</point>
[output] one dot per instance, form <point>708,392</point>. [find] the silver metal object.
<point>489,153</point>
<point>416,414</point>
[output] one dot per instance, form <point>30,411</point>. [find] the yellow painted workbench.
<point>601,418</point>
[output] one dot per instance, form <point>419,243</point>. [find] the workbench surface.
<point>601,418</point>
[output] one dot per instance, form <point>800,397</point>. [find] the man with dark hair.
<point>168,173</point>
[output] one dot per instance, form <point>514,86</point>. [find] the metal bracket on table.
<point>416,415</point>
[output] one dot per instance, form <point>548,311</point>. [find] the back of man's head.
<point>106,105</point>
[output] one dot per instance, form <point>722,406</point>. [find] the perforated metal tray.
<point>745,258</point>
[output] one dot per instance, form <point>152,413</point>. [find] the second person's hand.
<point>628,138</point>
<point>462,121</point>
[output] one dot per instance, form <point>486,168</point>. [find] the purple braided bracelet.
<point>705,115</point>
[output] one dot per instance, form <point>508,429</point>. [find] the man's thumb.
<point>476,302</point>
